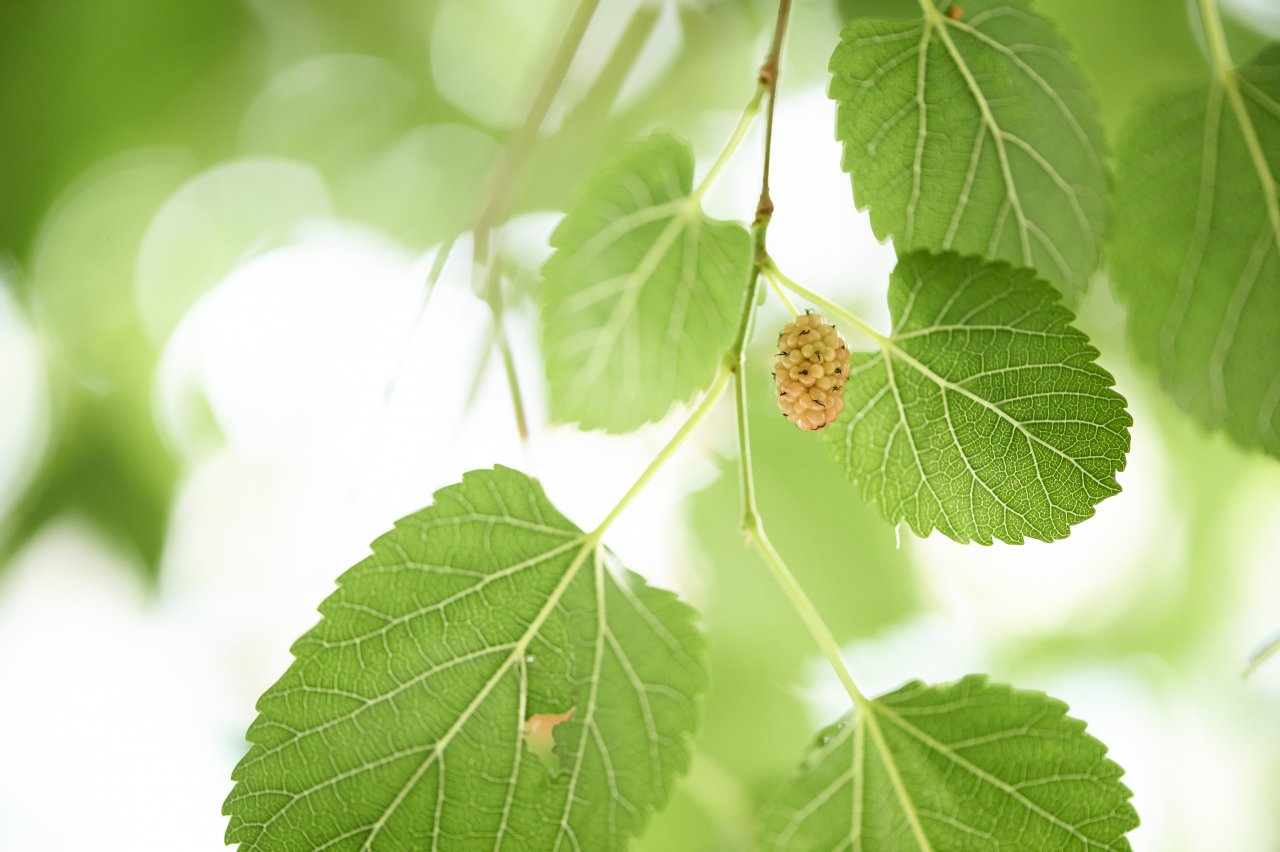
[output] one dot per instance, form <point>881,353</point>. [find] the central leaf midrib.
<point>1257,156</point>
<point>684,218</point>
<point>589,720</point>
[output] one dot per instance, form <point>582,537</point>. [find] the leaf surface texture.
<point>642,295</point>
<point>977,135</point>
<point>967,765</point>
<point>984,414</point>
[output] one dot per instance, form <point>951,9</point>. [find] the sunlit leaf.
<point>976,134</point>
<point>402,721</point>
<point>1197,247</point>
<point>983,415</point>
<point>640,299</point>
<point>967,765</point>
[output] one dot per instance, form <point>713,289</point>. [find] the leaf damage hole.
<point>538,731</point>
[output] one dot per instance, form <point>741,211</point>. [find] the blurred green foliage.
<point>107,460</point>
<point>111,108</point>
<point>83,79</point>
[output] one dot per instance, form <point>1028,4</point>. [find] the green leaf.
<point>978,135</point>
<point>983,415</point>
<point>642,296</point>
<point>1197,247</point>
<point>966,765</point>
<point>399,724</point>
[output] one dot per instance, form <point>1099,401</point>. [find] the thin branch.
<point>603,94</point>
<point>520,146</point>
<point>781,294</point>
<point>771,269</point>
<point>488,283</point>
<point>519,149</point>
<point>1268,650</point>
<point>1215,38</point>
<point>752,524</point>
<point>428,288</point>
<point>769,73</point>
<point>704,408</point>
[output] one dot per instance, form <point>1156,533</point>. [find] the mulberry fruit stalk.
<point>812,365</point>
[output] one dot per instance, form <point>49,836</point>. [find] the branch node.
<point>764,210</point>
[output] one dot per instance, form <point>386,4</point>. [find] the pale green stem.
<point>746,481</point>
<point>808,613</point>
<point>739,133</point>
<point>782,295</point>
<point>520,145</point>
<point>695,419</point>
<point>754,528</point>
<point>752,524</point>
<point>513,383</point>
<point>828,305</point>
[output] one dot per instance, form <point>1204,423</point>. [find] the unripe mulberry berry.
<point>812,365</point>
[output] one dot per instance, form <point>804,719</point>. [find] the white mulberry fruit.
<point>812,365</point>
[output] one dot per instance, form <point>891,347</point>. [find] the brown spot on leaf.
<point>954,12</point>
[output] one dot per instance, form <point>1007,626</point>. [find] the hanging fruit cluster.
<point>812,365</point>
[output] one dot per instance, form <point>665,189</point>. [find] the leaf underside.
<point>641,298</point>
<point>398,726</point>
<point>977,135</point>
<point>967,765</point>
<point>1196,252</point>
<point>983,415</point>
